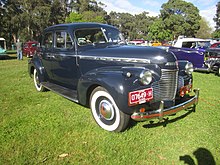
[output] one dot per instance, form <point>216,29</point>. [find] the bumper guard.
<point>161,112</point>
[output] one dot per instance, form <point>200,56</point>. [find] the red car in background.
<point>215,45</point>
<point>29,48</point>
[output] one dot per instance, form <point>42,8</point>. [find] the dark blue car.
<point>90,64</point>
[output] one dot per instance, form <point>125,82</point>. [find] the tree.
<point>87,16</point>
<point>204,30</point>
<point>26,19</point>
<point>216,33</point>
<point>86,11</point>
<point>158,31</point>
<point>180,18</point>
<point>74,17</point>
<point>142,23</point>
<point>132,26</point>
<point>217,17</point>
<point>57,12</point>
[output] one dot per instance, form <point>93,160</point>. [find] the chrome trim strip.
<point>191,51</point>
<point>135,60</point>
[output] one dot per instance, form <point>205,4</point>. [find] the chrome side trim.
<point>134,60</point>
<point>161,112</point>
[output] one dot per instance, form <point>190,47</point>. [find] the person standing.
<point>19,50</point>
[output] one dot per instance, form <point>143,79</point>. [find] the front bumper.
<point>161,112</point>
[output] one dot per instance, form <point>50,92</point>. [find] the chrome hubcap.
<point>106,110</point>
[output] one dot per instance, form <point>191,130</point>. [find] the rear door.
<point>46,54</point>
<point>64,64</point>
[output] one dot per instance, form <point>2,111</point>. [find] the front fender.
<point>116,81</point>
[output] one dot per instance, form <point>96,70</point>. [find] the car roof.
<point>77,26</point>
<point>192,39</point>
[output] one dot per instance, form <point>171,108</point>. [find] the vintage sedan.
<point>29,48</point>
<point>212,61</point>
<point>90,64</point>
<point>215,45</point>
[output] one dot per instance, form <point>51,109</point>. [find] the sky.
<point>207,8</point>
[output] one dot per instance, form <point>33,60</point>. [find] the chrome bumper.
<point>161,112</point>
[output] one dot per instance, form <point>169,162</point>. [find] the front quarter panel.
<point>116,82</point>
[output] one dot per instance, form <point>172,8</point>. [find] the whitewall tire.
<point>106,113</point>
<point>37,83</point>
<point>218,71</point>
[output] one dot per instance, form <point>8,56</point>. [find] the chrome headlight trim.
<point>189,68</point>
<point>146,77</point>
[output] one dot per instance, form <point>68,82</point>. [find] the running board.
<point>65,92</point>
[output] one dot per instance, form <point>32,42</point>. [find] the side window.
<point>90,36</point>
<point>189,45</point>
<point>63,40</point>
<point>69,43</point>
<point>48,40</point>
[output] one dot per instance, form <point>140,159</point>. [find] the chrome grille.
<point>165,88</point>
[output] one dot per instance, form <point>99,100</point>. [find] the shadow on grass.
<point>7,57</point>
<point>202,155</point>
<point>167,121</point>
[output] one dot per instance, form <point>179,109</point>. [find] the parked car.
<point>29,48</point>
<point>118,82</point>
<point>196,57</point>
<point>2,45</point>
<point>156,43</point>
<point>213,60</point>
<point>139,42</point>
<point>215,45</point>
<point>192,50</point>
<point>193,43</point>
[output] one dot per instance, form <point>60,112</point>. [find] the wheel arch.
<point>35,63</point>
<point>113,84</point>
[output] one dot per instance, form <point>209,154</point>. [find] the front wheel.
<point>37,83</point>
<point>106,113</point>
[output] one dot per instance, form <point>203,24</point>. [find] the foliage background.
<point>26,19</point>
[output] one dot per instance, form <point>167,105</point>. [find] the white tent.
<point>2,43</point>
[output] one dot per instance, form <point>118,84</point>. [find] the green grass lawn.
<point>45,128</point>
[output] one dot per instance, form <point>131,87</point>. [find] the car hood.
<point>150,54</point>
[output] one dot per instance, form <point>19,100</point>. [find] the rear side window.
<point>189,44</point>
<point>63,40</point>
<point>48,40</point>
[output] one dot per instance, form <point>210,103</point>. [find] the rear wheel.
<point>105,111</point>
<point>218,71</point>
<point>37,83</point>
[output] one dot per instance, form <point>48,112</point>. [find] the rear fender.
<point>35,63</point>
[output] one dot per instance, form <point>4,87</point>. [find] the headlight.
<point>189,68</point>
<point>146,77</point>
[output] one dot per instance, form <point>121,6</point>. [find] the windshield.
<point>93,36</point>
